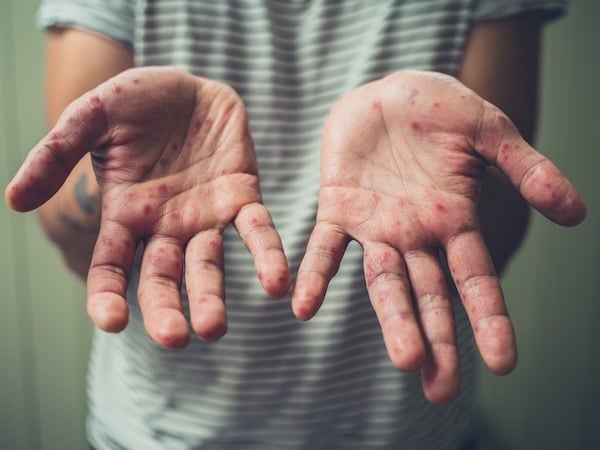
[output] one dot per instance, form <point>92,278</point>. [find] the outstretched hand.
<point>175,164</point>
<point>401,167</point>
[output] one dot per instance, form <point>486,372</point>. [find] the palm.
<point>401,165</point>
<point>175,164</point>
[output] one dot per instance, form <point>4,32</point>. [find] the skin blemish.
<point>95,102</point>
<point>504,152</point>
<point>136,81</point>
<point>440,208</point>
<point>376,106</point>
<point>147,209</point>
<point>198,123</point>
<point>416,126</point>
<point>163,190</point>
<point>118,89</point>
<point>436,105</point>
<point>165,162</point>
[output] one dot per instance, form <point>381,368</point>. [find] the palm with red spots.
<point>175,164</point>
<point>402,161</point>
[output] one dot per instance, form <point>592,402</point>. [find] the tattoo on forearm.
<point>86,202</point>
<point>76,225</point>
<point>88,205</point>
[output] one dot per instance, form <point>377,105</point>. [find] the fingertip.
<point>305,303</point>
<point>502,364</point>
<point>576,210</point>
<point>497,344</point>
<point>208,317</point>
<point>168,328</point>
<point>275,283</point>
<point>407,353</point>
<point>108,312</point>
<point>212,333</point>
<point>440,375</point>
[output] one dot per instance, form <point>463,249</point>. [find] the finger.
<point>481,294</point>
<point>205,284</point>
<point>159,292</point>
<point>108,277</point>
<point>439,373</point>
<point>540,182</point>
<point>389,290</point>
<point>256,228</point>
<point>320,263</point>
<point>81,128</point>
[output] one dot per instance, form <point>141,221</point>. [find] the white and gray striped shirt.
<point>273,382</point>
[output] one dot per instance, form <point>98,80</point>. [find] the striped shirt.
<point>273,382</point>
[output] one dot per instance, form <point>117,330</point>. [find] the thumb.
<point>538,180</point>
<point>80,128</point>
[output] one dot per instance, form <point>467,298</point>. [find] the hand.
<point>175,164</point>
<point>402,160</point>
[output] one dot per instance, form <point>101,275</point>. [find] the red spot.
<point>504,152</point>
<point>176,216</point>
<point>95,102</point>
<point>136,81</point>
<point>118,89</point>
<point>147,209</point>
<point>174,146</point>
<point>376,105</point>
<point>436,104</point>
<point>441,208</point>
<point>198,123</point>
<point>163,189</point>
<point>416,126</point>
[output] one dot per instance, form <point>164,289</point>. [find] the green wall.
<point>550,402</point>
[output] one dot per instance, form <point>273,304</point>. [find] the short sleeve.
<point>494,9</point>
<point>110,18</point>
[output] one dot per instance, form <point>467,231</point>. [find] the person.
<point>322,130</point>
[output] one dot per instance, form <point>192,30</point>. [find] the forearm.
<point>71,218</point>
<point>501,65</point>
<point>76,62</point>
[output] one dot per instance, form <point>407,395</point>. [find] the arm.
<point>76,62</point>
<point>501,64</point>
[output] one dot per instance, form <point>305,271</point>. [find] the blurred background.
<point>551,401</point>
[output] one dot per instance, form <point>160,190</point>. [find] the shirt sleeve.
<point>546,10</point>
<point>113,19</point>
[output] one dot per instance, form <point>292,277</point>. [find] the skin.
<point>408,155</point>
